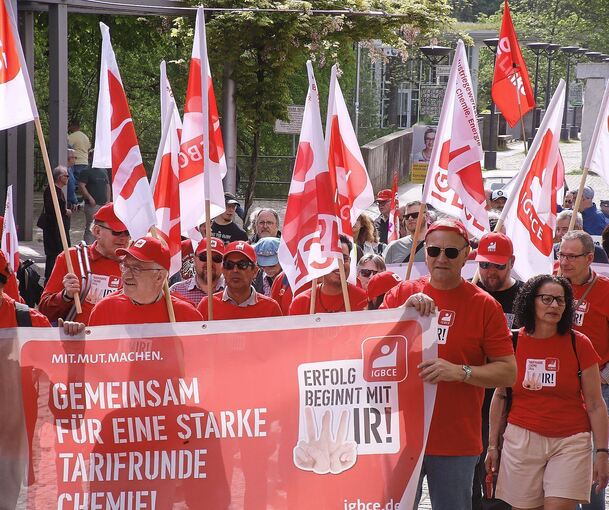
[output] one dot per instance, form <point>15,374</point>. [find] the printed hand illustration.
<point>321,453</point>
<point>532,381</point>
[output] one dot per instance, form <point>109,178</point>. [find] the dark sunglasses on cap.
<point>215,257</point>
<point>115,233</point>
<point>487,265</point>
<point>451,253</point>
<point>411,216</point>
<point>242,264</point>
<point>367,273</point>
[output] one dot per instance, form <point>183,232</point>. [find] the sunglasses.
<point>451,253</point>
<point>487,265</point>
<point>548,299</point>
<point>215,257</point>
<point>367,273</point>
<point>242,264</point>
<point>411,216</point>
<point>115,233</point>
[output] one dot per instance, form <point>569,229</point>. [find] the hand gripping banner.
<point>307,412</point>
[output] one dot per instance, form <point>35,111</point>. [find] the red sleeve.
<point>398,295</point>
<point>202,308</point>
<point>300,304</point>
<point>274,308</point>
<point>185,311</point>
<point>39,320</point>
<point>52,303</point>
<point>585,351</point>
<point>98,317</point>
<point>497,339</point>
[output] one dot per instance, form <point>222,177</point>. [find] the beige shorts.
<point>534,467</point>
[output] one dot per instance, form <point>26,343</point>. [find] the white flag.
<point>597,159</point>
<point>454,176</point>
<point>17,104</point>
<point>10,242</point>
<point>530,212</point>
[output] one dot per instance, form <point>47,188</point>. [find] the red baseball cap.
<point>241,247</point>
<point>186,246</point>
<point>495,247</point>
<point>106,214</point>
<point>148,249</point>
<point>381,283</point>
<point>448,225</point>
<point>384,194</point>
<point>216,246</point>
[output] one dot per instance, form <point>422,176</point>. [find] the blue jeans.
<point>449,480</point>
<point>597,501</point>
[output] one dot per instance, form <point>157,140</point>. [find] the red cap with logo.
<point>381,283</point>
<point>449,226</point>
<point>148,249</point>
<point>217,246</point>
<point>495,248</point>
<point>384,195</point>
<point>106,215</point>
<point>241,247</point>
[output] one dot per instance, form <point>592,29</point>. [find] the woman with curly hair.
<point>366,237</point>
<point>546,456</point>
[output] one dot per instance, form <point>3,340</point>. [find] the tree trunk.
<point>253,173</point>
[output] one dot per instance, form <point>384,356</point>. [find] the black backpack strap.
<point>22,315</point>
<point>419,246</point>
<point>579,369</point>
<point>508,390</point>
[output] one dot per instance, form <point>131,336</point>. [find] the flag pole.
<point>60,225</point>
<point>343,284</point>
<point>313,296</point>
<point>415,239</point>
<point>166,293</point>
<point>524,135</point>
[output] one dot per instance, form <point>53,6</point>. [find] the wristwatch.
<point>467,372</point>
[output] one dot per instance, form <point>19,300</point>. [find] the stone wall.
<point>386,154</point>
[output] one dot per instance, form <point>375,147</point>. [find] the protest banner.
<point>299,412</point>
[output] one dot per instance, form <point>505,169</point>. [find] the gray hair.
<point>567,214</point>
<point>267,209</point>
<point>377,260</point>
<point>582,237</point>
<point>413,203</point>
<point>59,170</point>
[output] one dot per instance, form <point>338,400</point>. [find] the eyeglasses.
<point>115,233</point>
<point>242,264</point>
<point>367,273</point>
<point>215,258</point>
<point>548,299</point>
<point>411,216</point>
<point>488,265</point>
<point>383,202</point>
<point>451,253</point>
<point>266,223</point>
<point>135,270</point>
<point>569,256</point>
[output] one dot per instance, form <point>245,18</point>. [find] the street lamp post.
<point>569,51</point>
<point>490,155</point>
<point>551,52</point>
<point>435,55</point>
<point>574,131</point>
<point>537,48</point>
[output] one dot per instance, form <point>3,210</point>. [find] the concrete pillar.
<point>595,78</point>
<point>58,84</point>
<point>229,128</point>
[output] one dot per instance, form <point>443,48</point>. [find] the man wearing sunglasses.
<point>381,223</point>
<point>239,299</point>
<point>144,266</point>
<point>195,289</point>
<point>58,297</point>
<point>474,352</point>
<point>398,252</point>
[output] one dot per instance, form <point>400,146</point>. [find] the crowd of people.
<point>542,421</point>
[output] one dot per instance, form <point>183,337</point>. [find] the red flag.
<point>165,181</point>
<point>511,89</point>
<point>17,104</point>
<point>350,181</point>
<point>393,233</point>
<point>116,147</point>
<point>201,129</point>
<point>309,241</point>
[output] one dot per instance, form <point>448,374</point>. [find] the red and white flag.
<point>116,147</point>
<point>17,104</point>
<point>454,177</point>
<point>353,189</point>
<point>597,159</point>
<point>10,242</point>
<point>165,181</point>
<point>393,229</point>
<point>529,214</point>
<point>309,241</point>
<point>201,130</point>
<point>511,90</point>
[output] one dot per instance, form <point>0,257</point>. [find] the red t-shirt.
<point>471,328</point>
<point>326,303</point>
<point>592,315</point>
<point>8,319</point>
<point>106,279</point>
<point>282,292</point>
<point>547,395</point>
<point>119,309</point>
<point>225,310</point>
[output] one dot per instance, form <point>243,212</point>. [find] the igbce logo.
<point>385,358</point>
